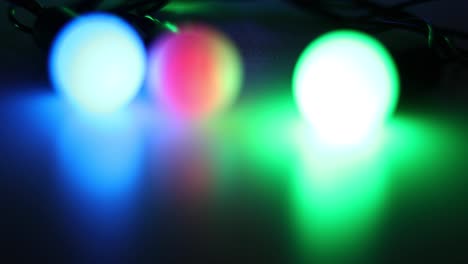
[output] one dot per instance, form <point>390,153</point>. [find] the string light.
<point>345,85</point>
<point>97,60</point>
<point>98,63</point>
<point>195,73</point>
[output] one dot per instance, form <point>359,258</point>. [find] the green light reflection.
<point>263,131</point>
<point>339,196</point>
<point>337,199</point>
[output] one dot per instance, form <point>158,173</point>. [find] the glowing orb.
<point>195,73</point>
<point>98,62</point>
<point>346,85</point>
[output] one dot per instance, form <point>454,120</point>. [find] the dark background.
<point>280,31</point>
<point>43,219</point>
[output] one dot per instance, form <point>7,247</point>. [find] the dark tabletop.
<point>248,188</point>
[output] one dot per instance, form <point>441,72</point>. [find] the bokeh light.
<point>338,198</point>
<point>196,73</point>
<point>98,166</point>
<point>346,85</point>
<point>98,62</point>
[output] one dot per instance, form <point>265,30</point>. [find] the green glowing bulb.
<point>346,85</point>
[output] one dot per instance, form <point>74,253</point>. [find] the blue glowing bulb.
<point>98,62</point>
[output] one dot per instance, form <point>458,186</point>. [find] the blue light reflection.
<point>85,170</point>
<point>100,161</point>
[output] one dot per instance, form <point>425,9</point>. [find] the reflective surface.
<point>252,187</point>
<point>136,187</point>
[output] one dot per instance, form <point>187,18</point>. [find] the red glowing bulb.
<point>195,73</point>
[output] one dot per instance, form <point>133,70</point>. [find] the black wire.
<point>16,23</point>
<point>87,5</point>
<point>140,6</point>
<point>137,8</point>
<point>410,3</point>
<point>30,5</point>
<point>382,18</point>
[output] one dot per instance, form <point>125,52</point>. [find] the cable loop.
<point>16,23</point>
